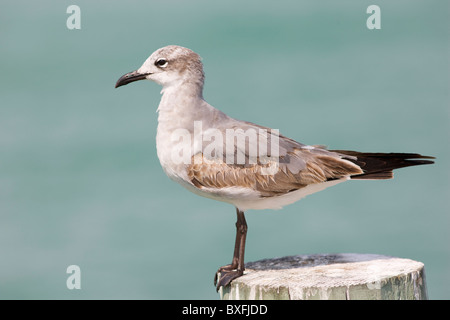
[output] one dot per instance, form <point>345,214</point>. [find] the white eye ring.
<point>161,62</point>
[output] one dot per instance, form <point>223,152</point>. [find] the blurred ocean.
<point>80,181</point>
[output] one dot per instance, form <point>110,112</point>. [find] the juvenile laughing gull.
<point>196,145</point>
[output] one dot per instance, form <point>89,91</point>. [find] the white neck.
<point>181,104</point>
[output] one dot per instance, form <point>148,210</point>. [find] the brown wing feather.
<point>319,168</point>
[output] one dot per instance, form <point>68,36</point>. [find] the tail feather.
<point>380,165</point>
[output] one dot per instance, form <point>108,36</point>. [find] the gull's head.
<point>168,66</point>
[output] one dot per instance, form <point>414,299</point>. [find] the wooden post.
<point>347,276</point>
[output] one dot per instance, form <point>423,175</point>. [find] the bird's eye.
<point>161,62</point>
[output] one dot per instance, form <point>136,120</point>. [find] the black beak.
<point>130,77</point>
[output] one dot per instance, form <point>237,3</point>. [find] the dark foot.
<point>228,267</point>
<point>226,276</point>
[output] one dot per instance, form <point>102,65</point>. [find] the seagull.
<point>247,165</point>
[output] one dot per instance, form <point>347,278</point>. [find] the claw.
<point>216,277</point>
<point>228,267</point>
<point>226,276</point>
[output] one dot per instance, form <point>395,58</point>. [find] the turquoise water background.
<point>80,181</point>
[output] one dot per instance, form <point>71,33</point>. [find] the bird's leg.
<point>237,243</point>
<point>236,268</point>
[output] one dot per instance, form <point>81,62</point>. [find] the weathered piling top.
<point>345,276</point>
